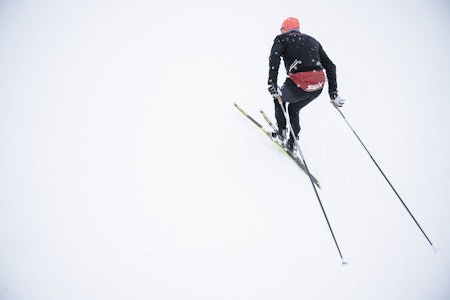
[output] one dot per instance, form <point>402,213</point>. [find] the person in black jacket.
<point>304,60</point>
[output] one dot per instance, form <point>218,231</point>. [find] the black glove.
<point>273,90</point>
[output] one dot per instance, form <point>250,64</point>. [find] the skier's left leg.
<point>279,115</point>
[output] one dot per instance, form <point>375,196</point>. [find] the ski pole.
<point>310,176</point>
<point>381,171</point>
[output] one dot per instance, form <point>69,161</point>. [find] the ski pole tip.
<point>344,263</point>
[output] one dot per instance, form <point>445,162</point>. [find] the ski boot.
<point>291,145</point>
<point>279,136</point>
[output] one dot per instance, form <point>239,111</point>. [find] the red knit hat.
<point>290,24</point>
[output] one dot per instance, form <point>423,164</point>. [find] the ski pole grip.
<point>335,105</point>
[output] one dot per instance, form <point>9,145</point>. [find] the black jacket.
<point>310,55</point>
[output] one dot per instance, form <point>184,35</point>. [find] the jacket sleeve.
<point>276,53</point>
<point>330,67</point>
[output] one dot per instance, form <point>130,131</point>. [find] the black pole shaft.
<point>385,177</point>
<point>310,178</point>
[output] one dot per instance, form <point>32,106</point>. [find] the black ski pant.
<point>297,99</point>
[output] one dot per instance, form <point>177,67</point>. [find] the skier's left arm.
<point>274,64</point>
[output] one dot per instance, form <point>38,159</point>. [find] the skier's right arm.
<point>330,67</point>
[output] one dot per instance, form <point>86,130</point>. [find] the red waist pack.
<point>309,81</point>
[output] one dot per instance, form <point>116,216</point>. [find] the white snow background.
<point>126,172</point>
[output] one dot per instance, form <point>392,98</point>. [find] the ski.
<point>275,129</point>
<point>289,154</point>
<point>294,154</point>
<point>268,120</point>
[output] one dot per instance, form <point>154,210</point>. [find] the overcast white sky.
<point>107,189</point>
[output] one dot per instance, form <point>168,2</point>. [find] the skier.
<point>304,60</point>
